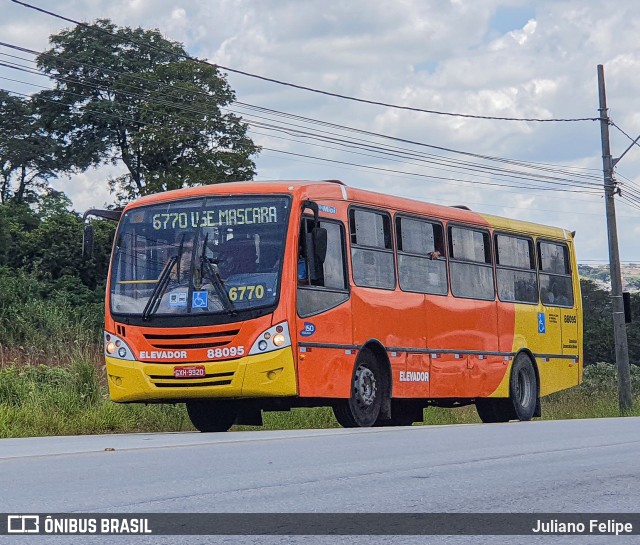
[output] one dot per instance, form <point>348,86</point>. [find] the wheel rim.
<point>365,387</point>
<point>523,389</point>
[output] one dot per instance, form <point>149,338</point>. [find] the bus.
<point>245,297</point>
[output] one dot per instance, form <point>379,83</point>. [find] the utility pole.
<point>617,304</point>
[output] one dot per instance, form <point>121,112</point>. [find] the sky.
<point>496,58</point>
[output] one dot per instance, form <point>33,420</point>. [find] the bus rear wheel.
<point>362,409</point>
<point>208,415</point>
<point>523,388</point>
<point>492,410</point>
<point>523,396</point>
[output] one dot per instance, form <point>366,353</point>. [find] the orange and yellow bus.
<point>243,297</point>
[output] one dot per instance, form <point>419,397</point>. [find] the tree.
<point>598,326</point>
<point>27,151</point>
<point>130,95</point>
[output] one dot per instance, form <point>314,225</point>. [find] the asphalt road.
<point>559,466</point>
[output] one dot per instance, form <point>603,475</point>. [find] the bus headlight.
<point>115,347</point>
<point>272,339</point>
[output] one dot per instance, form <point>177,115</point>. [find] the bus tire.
<point>523,388</point>
<point>362,408</point>
<point>492,410</point>
<point>208,415</point>
<point>403,413</point>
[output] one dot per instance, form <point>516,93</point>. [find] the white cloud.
<point>428,54</point>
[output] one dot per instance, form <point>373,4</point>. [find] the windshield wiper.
<point>163,281</point>
<point>209,269</point>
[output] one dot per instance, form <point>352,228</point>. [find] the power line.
<point>437,198</point>
<point>634,140</point>
<point>351,143</point>
<point>475,182</point>
<point>402,153</point>
<point>564,170</point>
<point>402,158</point>
<point>442,179</point>
<point>303,87</point>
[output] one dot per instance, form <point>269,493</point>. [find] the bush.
<point>601,378</point>
<point>35,321</point>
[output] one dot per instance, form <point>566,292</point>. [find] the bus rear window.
<point>555,275</point>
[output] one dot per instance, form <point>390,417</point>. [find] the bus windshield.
<point>199,256</point>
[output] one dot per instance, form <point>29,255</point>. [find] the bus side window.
<point>372,249</point>
<point>516,269</point>
<point>556,288</point>
<point>422,266</point>
<point>470,263</point>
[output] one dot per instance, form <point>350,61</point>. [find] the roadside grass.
<point>72,399</point>
<point>68,396</point>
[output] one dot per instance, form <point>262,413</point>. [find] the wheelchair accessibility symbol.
<point>542,326</point>
<point>200,299</point>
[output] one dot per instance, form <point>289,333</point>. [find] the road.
<point>551,466</point>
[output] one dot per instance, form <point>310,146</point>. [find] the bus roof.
<point>329,190</point>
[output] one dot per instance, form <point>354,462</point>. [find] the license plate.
<point>189,371</point>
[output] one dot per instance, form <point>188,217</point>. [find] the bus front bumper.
<point>261,375</point>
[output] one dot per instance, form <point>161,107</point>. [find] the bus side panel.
<point>324,371</point>
<point>415,382</point>
<point>508,337</point>
<point>396,319</point>
<point>540,329</point>
<point>465,325</point>
<point>572,328</point>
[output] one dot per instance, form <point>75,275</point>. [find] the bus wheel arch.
<point>524,374</point>
<point>370,389</point>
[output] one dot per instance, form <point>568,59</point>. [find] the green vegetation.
<point>72,399</point>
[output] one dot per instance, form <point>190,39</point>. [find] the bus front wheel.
<point>208,415</point>
<point>362,409</point>
<point>403,413</point>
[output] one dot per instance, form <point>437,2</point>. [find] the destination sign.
<point>217,217</point>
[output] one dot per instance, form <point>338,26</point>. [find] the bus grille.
<point>186,341</point>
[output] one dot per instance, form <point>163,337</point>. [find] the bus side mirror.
<point>316,252</point>
<point>87,241</point>
<point>626,299</point>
